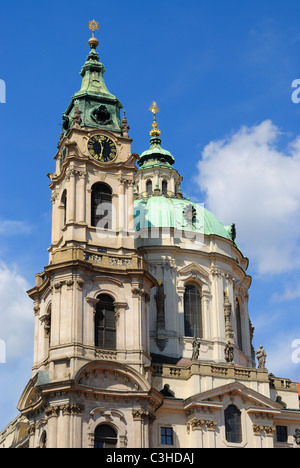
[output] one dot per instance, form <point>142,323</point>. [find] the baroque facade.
<point>142,332</point>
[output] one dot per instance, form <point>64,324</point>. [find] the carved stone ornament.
<point>160,306</point>
<point>31,430</point>
<point>140,414</point>
<point>269,430</point>
<point>196,424</point>
<point>52,411</point>
<point>229,333</point>
<point>161,341</point>
<point>297,436</point>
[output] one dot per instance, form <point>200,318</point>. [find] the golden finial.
<point>154,109</point>
<point>93,26</point>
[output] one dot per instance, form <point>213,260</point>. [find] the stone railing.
<point>103,259</point>
<point>212,370</point>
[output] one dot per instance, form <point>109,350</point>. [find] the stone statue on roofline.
<point>229,352</point>
<point>261,357</point>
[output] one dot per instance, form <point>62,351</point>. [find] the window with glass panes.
<point>281,433</point>
<point>166,436</point>
<point>101,205</point>
<point>233,424</point>
<point>192,312</point>
<point>105,323</point>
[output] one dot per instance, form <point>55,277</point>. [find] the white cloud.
<point>16,313</point>
<point>250,182</point>
<point>283,354</point>
<point>11,227</point>
<point>289,294</point>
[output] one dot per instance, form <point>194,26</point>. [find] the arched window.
<point>149,187</point>
<point>64,207</point>
<point>164,187</point>
<point>239,324</point>
<point>43,440</point>
<point>47,324</point>
<point>192,312</point>
<point>101,205</point>
<point>233,424</point>
<point>105,437</point>
<point>105,323</point>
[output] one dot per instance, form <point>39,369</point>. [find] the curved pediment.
<point>111,377</point>
<point>31,397</point>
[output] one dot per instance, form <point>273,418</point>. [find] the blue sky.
<point>221,73</point>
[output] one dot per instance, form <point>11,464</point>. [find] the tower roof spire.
<point>156,152</point>
<point>98,108</point>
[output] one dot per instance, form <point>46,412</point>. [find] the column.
<point>269,436</point>
<point>36,356</point>
<point>55,217</point>
<point>55,313</point>
<point>81,198</point>
<point>31,433</point>
<point>130,208</point>
<point>135,318</point>
<point>140,419</point>
<point>52,416</point>
<point>78,311</point>
<point>195,428</point>
<point>211,433</point>
<point>121,208</point>
<point>76,426</point>
<point>257,431</point>
<point>180,291</point>
<point>217,319</point>
<point>71,196</point>
<point>89,322</point>
<point>206,321</point>
<point>63,439</point>
<point>121,325</point>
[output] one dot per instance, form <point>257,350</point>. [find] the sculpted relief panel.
<point>108,380</point>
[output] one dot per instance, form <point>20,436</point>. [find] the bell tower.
<point>92,298</point>
<point>92,187</point>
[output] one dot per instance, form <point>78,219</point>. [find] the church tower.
<point>91,302</point>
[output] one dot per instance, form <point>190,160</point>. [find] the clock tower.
<point>91,302</point>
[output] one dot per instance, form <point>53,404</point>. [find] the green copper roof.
<point>97,107</point>
<point>156,153</point>
<point>163,212</point>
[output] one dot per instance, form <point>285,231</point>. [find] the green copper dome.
<point>156,153</point>
<point>180,214</point>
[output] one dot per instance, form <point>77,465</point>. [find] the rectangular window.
<point>166,436</point>
<point>281,434</point>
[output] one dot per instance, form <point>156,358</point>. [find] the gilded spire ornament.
<point>155,132</point>
<point>93,26</point>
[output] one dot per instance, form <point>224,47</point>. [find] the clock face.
<point>102,148</point>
